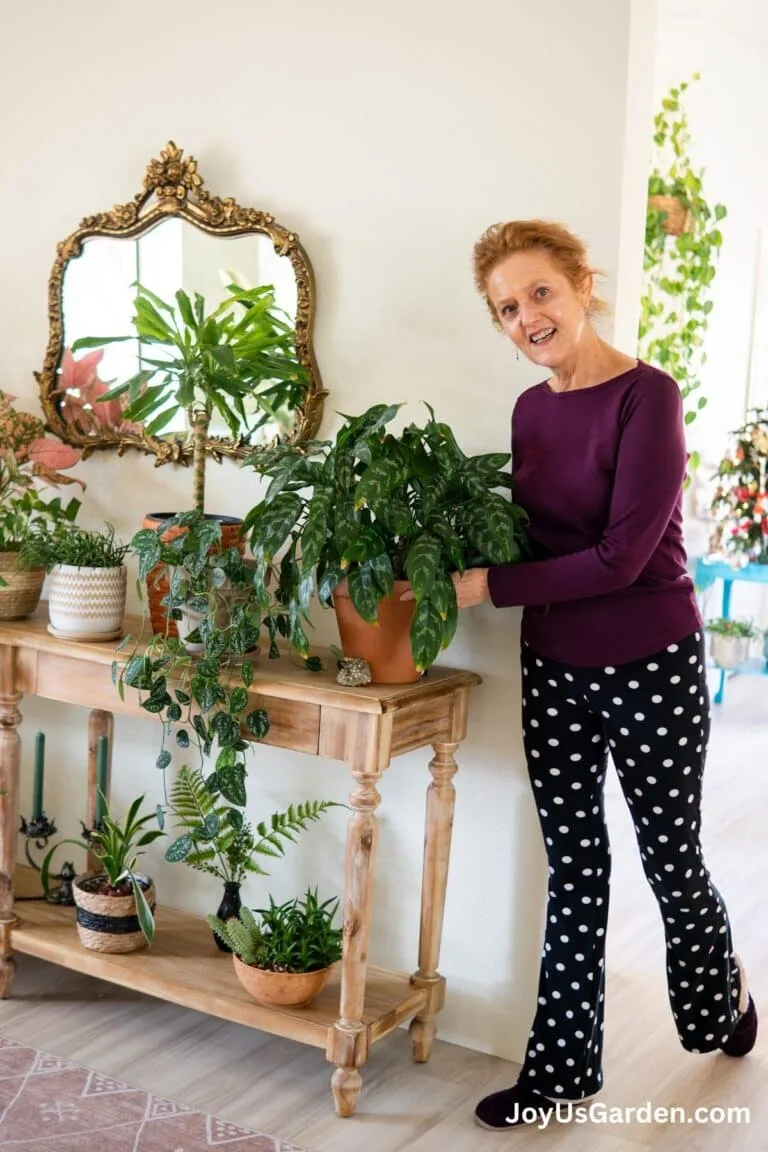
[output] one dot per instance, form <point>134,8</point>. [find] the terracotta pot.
<point>287,989</point>
<point>109,923</point>
<point>157,580</point>
<point>386,646</point>
<point>20,594</point>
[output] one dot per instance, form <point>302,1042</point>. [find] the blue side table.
<point>707,570</point>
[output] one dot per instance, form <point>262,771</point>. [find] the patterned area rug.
<point>51,1105</point>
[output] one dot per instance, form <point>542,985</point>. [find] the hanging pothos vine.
<point>682,242</point>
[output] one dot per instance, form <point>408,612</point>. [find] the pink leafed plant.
<point>80,388</point>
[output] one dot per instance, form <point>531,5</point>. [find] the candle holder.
<point>37,833</point>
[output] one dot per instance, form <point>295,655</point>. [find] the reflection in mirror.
<point>187,240</point>
<point>173,255</point>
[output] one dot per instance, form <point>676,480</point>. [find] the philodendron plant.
<point>374,507</point>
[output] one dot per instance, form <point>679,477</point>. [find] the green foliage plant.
<point>199,362</point>
<point>744,629</point>
<point>678,271</point>
<point>297,936</point>
<point>118,848</point>
<point>217,839</point>
<point>73,545</point>
<point>374,507</point>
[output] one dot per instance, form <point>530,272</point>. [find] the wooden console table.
<point>309,713</point>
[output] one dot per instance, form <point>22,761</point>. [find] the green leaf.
<point>163,760</point>
<point>179,849</point>
<point>238,700</point>
<point>364,592</point>
<point>257,723</point>
<point>232,785</point>
<point>426,634</point>
<point>423,564</point>
<point>378,481</point>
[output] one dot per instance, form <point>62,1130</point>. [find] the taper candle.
<point>101,779</point>
<point>37,795</point>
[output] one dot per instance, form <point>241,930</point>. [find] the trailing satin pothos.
<point>373,507</point>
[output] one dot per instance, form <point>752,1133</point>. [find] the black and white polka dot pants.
<point>653,717</point>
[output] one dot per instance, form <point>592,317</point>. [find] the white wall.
<point>726,41</point>
<point>388,138</point>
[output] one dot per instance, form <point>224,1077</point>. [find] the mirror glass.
<point>175,235</point>
<point>98,295</point>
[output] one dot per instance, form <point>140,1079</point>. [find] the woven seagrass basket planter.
<point>21,593</point>
<point>86,603</point>
<point>109,923</point>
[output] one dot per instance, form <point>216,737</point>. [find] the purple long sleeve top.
<point>600,471</point>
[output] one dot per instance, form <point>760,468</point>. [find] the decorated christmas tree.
<point>740,502</point>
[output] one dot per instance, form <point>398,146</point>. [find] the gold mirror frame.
<point>179,190</point>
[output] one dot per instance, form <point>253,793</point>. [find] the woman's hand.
<point>471,588</point>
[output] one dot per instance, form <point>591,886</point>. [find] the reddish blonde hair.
<point>566,251</point>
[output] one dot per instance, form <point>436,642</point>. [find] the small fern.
<point>217,839</point>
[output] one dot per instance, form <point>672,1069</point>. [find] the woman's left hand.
<point>471,587</point>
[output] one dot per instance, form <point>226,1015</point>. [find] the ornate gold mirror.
<point>173,235</point>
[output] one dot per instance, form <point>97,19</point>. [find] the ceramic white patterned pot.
<point>728,651</point>
<point>86,603</point>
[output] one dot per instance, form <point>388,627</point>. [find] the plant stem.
<point>200,421</point>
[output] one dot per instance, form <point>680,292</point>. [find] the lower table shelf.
<point>185,967</point>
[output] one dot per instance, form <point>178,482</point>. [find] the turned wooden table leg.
<point>10,763</point>
<point>100,723</point>
<point>347,1046</point>
<point>437,848</point>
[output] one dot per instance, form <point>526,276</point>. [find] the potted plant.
<point>29,462</point>
<point>86,592</point>
<point>237,361</point>
<point>682,243</point>
<point>115,908</point>
<point>729,641</point>
<point>367,516</point>
<point>286,958</point>
<point>217,839</point>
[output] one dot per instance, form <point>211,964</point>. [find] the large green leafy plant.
<point>238,361</point>
<point>678,269</point>
<point>374,507</point>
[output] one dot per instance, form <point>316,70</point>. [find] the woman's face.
<point>538,307</point>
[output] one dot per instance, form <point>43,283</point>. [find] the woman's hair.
<point>566,251</point>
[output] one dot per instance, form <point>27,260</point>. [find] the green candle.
<point>101,779</point>
<point>37,795</point>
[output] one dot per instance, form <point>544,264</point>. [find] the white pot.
<point>728,651</point>
<point>86,602</point>
<point>188,621</point>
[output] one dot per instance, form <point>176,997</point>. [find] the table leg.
<point>726,613</point>
<point>437,846</point>
<point>348,1041</point>
<point>10,764</point>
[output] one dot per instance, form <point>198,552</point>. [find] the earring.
<point>517,353</point>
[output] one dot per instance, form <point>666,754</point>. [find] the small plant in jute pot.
<point>285,957</point>
<point>729,641</point>
<point>115,908</point>
<point>371,514</point>
<point>87,586</point>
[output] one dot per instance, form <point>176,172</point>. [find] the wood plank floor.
<point>281,1087</point>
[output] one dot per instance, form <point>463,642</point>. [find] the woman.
<point>612,660</point>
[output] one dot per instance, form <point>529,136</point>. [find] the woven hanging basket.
<point>677,218</point>
<point>20,595</point>
<point>109,923</point>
